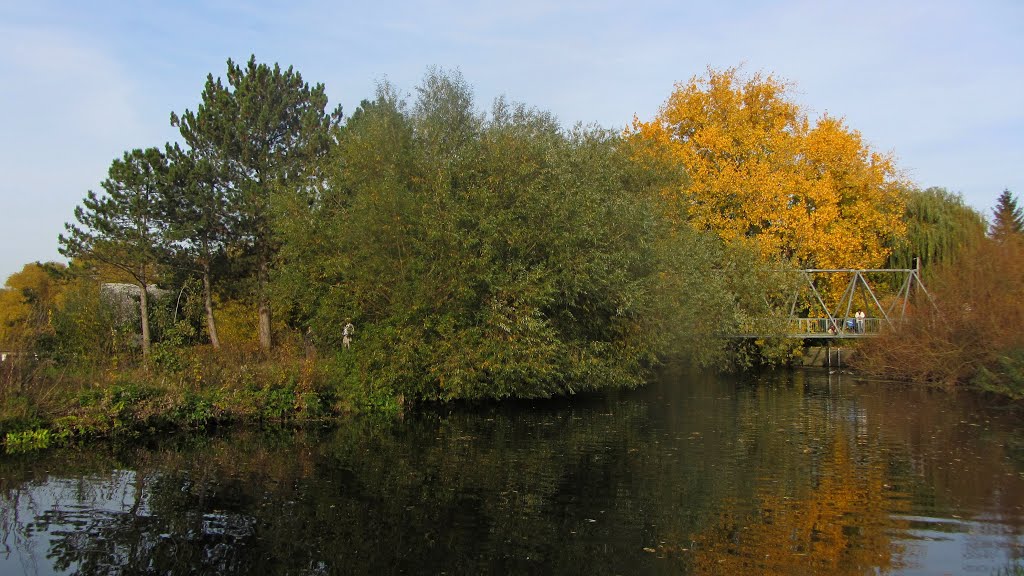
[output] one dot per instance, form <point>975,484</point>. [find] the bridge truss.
<point>819,320</point>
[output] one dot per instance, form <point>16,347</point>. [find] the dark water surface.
<point>801,473</point>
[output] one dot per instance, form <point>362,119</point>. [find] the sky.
<point>937,83</point>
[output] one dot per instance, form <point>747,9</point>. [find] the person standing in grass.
<point>346,334</point>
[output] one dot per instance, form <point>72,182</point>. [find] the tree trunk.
<point>144,311</point>
<point>211,324</point>
<point>264,309</point>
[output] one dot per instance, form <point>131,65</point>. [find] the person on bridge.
<point>860,321</point>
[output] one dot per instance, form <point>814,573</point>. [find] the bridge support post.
<point>839,355</point>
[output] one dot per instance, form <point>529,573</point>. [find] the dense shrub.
<point>493,255</point>
<point>970,328</point>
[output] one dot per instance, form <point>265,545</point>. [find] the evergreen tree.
<point>265,133</point>
<point>1009,218</point>
<point>123,228</point>
<point>196,212</point>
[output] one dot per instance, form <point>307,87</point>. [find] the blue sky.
<point>938,83</point>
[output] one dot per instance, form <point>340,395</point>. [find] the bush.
<point>27,440</point>
<point>1005,376</point>
<point>970,332</point>
<point>491,255</point>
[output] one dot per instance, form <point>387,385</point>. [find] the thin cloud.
<point>72,112</point>
<point>936,82</point>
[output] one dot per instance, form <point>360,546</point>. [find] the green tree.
<point>496,255</point>
<point>88,328</point>
<point>196,212</point>
<point>1009,218</point>
<point>939,226</point>
<point>265,132</point>
<point>122,228</point>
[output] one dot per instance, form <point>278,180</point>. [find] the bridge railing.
<point>835,326</point>
<point>813,328</point>
<point>836,318</point>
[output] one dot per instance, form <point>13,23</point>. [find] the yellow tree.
<point>26,300</point>
<point>759,172</point>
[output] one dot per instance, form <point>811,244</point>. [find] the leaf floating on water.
<point>651,550</point>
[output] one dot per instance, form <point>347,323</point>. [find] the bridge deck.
<point>823,329</point>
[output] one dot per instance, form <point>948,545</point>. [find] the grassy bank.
<point>42,404</point>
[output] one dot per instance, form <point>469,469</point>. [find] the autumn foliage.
<point>760,172</point>
<point>969,332</point>
<point>25,300</point>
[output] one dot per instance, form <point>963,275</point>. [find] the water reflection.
<point>795,474</point>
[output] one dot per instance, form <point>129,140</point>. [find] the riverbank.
<point>43,404</point>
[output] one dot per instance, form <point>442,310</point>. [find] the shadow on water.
<point>787,473</point>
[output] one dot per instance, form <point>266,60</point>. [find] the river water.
<point>788,473</point>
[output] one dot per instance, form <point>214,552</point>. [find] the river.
<point>784,473</point>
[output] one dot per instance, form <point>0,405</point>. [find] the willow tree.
<point>939,226</point>
<point>123,228</point>
<point>321,249</point>
<point>265,131</point>
<point>763,174</point>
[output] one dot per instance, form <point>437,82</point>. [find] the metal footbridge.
<point>810,317</point>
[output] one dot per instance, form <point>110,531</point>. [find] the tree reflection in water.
<point>692,475</point>
<point>843,524</point>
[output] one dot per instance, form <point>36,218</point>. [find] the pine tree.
<point>1009,218</point>
<point>122,228</point>
<point>265,133</point>
<point>198,222</point>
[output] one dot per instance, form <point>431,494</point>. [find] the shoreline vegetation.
<point>204,390</point>
<point>478,255</point>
